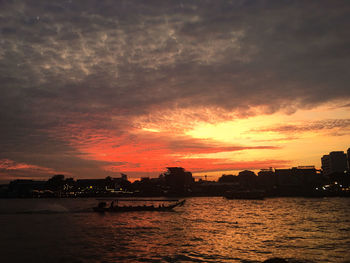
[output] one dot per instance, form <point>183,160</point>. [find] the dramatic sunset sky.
<point>92,88</point>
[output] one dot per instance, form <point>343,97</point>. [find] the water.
<point>203,230</point>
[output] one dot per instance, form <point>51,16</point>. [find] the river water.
<point>206,229</point>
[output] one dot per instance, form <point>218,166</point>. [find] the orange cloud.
<point>10,169</point>
<point>330,124</point>
<point>140,151</point>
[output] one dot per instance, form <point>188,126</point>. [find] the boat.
<point>249,195</point>
<point>103,207</point>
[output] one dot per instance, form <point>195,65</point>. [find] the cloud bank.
<point>68,68</point>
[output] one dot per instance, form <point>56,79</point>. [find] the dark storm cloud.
<point>68,62</point>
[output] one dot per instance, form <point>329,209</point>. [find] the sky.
<point>92,88</point>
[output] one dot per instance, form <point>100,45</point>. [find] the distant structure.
<point>334,162</point>
<point>23,188</point>
<point>178,180</point>
<point>268,179</point>
<point>348,153</point>
<point>110,184</point>
<point>247,179</point>
<point>296,179</point>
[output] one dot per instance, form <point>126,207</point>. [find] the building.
<point>348,155</point>
<point>267,179</point>
<point>91,184</point>
<point>247,179</point>
<point>107,184</point>
<point>178,180</point>
<point>334,162</point>
<point>25,188</point>
<point>297,180</point>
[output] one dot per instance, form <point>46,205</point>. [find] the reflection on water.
<point>204,230</point>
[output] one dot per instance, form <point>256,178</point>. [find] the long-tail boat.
<point>103,207</point>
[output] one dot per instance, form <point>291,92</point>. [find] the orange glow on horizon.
<point>256,142</point>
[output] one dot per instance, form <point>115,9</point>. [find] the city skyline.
<point>92,89</point>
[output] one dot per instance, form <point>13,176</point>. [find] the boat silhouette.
<point>103,207</point>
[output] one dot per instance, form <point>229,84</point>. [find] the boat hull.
<point>118,209</point>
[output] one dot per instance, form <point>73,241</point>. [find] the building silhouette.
<point>334,162</point>
<point>268,179</point>
<point>297,180</point>
<point>178,180</point>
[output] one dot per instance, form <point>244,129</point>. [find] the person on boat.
<point>112,204</point>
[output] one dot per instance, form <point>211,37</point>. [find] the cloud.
<point>331,124</point>
<point>151,151</point>
<point>346,105</point>
<point>135,56</point>
<point>111,65</point>
<point>12,169</point>
<point>199,165</point>
<point>11,165</point>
